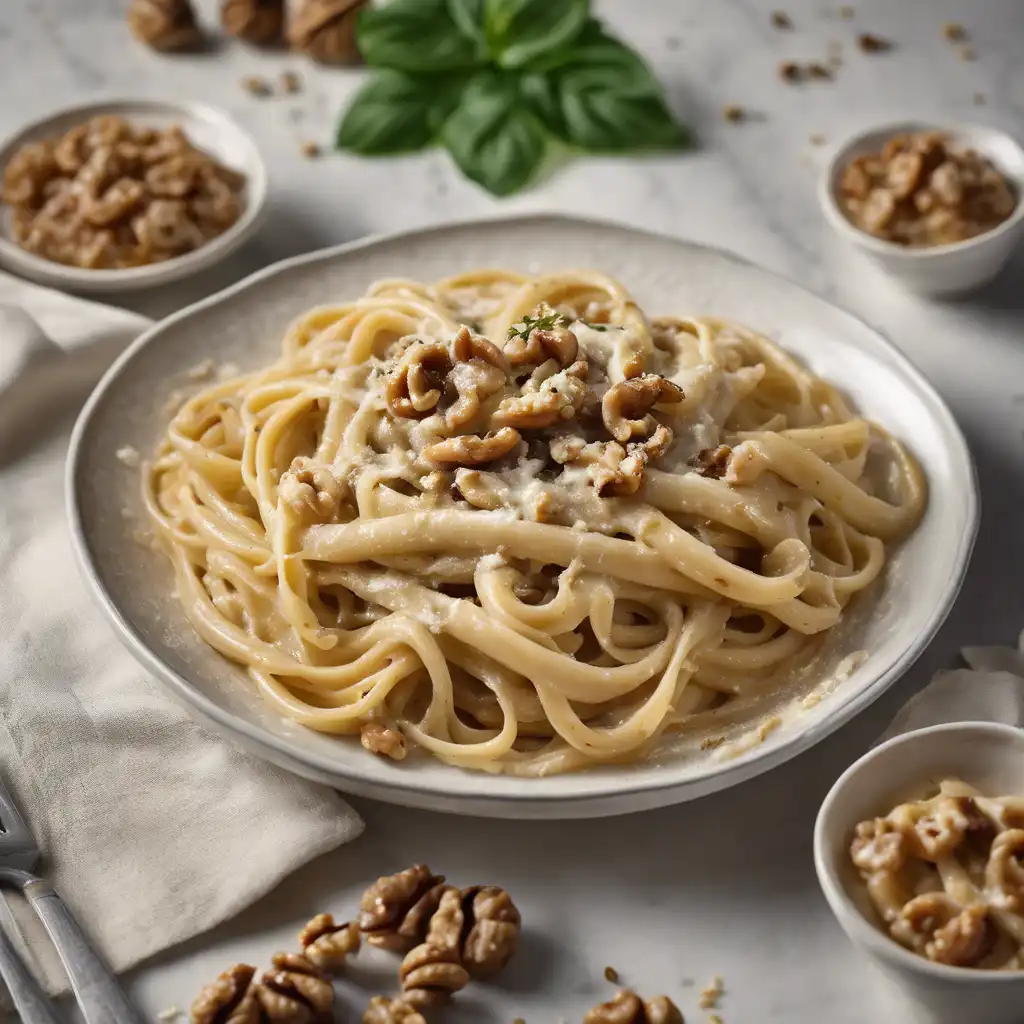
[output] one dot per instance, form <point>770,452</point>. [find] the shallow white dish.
<point>940,269</point>
<point>244,325</point>
<point>210,129</point>
<point>987,755</point>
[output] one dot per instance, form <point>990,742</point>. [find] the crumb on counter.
<point>790,71</point>
<point>710,994</point>
<point>310,150</point>
<point>612,975</point>
<point>129,455</point>
<point>780,19</point>
<point>733,113</point>
<point>291,82</point>
<point>870,43</point>
<point>954,32</point>
<point>255,86</point>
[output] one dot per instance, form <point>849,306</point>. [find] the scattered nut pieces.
<point>108,195</point>
<point>612,975</point>
<point>165,25</point>
<point>870,43</point>
<point>291,82</point>
<point>780,19</point>
<point>954,32</point>
<point>733,113</point>
<point>384,1010</point>
<point>790,71</point>
<point>395,911</point>
<point>818,70</point>
<point>709,995</point>
<point>228,1000</point>
<point>259,22</point>
<point>329,945</point>
<point>294,991</point>
<point>920,191</point>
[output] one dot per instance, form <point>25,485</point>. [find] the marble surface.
<point>724,885</point>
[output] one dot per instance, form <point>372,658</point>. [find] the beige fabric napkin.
<point>154,828</point>
<point>990,689</point>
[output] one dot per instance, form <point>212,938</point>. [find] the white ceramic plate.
<point>209,129</point>
<point>244,325</point>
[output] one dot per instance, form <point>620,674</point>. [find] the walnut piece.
<point>479,371</point>
<point>938,833</point>
<point>383,1010</point>
<point>471,449</point>
<point>256,21</point>
<point>626,1007</point>
<point>312,492</point>
<point>1004,873</point>
<point>431,974</point>
<point>295,991</point>
<point>493,923</point>
<point>382,739</point>
<point>878,845</point>
<point>558,343</point>
<point>477,490</point>
<point>329,945</point>
<point>415,386</point>
<point>712,462</point>
<point>326,30</point>
<point>626,405</point>
<point>164,25</point>
<point>228,1000</point>
<point>395,911</point>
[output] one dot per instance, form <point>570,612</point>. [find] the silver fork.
<point>97,991</point>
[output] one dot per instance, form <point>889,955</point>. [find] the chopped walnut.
<point>295,991</point>
<point>870,43</point>
<point>431,974</point>
<point>712,462</point>
<point>878,845</point>
<point>256,21</point>
<point>780,19</point>
<point>383,1010</point>
<point>938,833</point>
<point>558,399</point>
<point>480,371</point>
<point>558,343</point>
<point>733,113</point>
<point>312,492</point>
<point>329,945</point>
<point>611,471</point>
<point>325,29</point>
<point>493,923</point>
<point>626,1007</point>
<point>382,739</point>
<point>903,175</point>
<point>790,71</point>
<point>416,384</point>
<point>395,911</point>
<point>938,926</point>
<point>471,449</point>
<point>626,405</point>
<point>228,1000</point>
<point>878,211</point>
<point>954,32</point>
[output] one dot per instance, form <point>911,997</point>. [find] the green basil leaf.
<point>396,113</point>
<point>543,97</point>
<point>610,100</point>
<point>592,47</point>
<point>469,16</point>
<point>493,136</point>
<point>416,35</point>
<point>519,31</point>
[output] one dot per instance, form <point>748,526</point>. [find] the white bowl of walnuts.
<point>127,194</point>
<point>938,208</point>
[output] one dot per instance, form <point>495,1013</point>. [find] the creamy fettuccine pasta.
<point>518,524</point>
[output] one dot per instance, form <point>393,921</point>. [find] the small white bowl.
<point>210,129</point>
<point>987,755</point>
<point>941,269</point>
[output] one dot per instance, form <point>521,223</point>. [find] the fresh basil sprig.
<point>501,83</point>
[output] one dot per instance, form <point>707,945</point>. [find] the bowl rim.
<point>853,921</point>
<point>828,200</point>
<point>723,775</point>
<point>256,195</point>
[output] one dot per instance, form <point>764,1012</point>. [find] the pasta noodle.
<point>513,522</point>
<point>944,875</point>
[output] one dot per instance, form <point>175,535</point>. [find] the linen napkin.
<point>990,689</point>
<point>153,828</point>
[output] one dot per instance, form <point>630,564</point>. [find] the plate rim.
<point>619,789</point>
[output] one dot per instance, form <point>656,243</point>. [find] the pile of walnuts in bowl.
<point>109,195</point>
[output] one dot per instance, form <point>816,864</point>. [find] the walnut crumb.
<point>967,53</point>
<point>710,994</point>
<point>733,113</point>
<point>818,70</point>
<point>612,975</point>
<point>291,82</point>
<point>790,71</point>
<point>256,86</point>
<point>780,19</point>
<point>954,32</point>
<point>310,150</point>
<point>870,43</point>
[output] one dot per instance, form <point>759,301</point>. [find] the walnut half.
<point>626,1007</point>
<point>329,945</point>
<point>395,911</point>
<point>626,405</point>
<point>471,449</point>
<point>228,1000</point>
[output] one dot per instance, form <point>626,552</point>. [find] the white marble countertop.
<point>724,885</point>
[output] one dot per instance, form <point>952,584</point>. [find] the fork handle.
<point>28,997</point>
<point>100,997</point>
